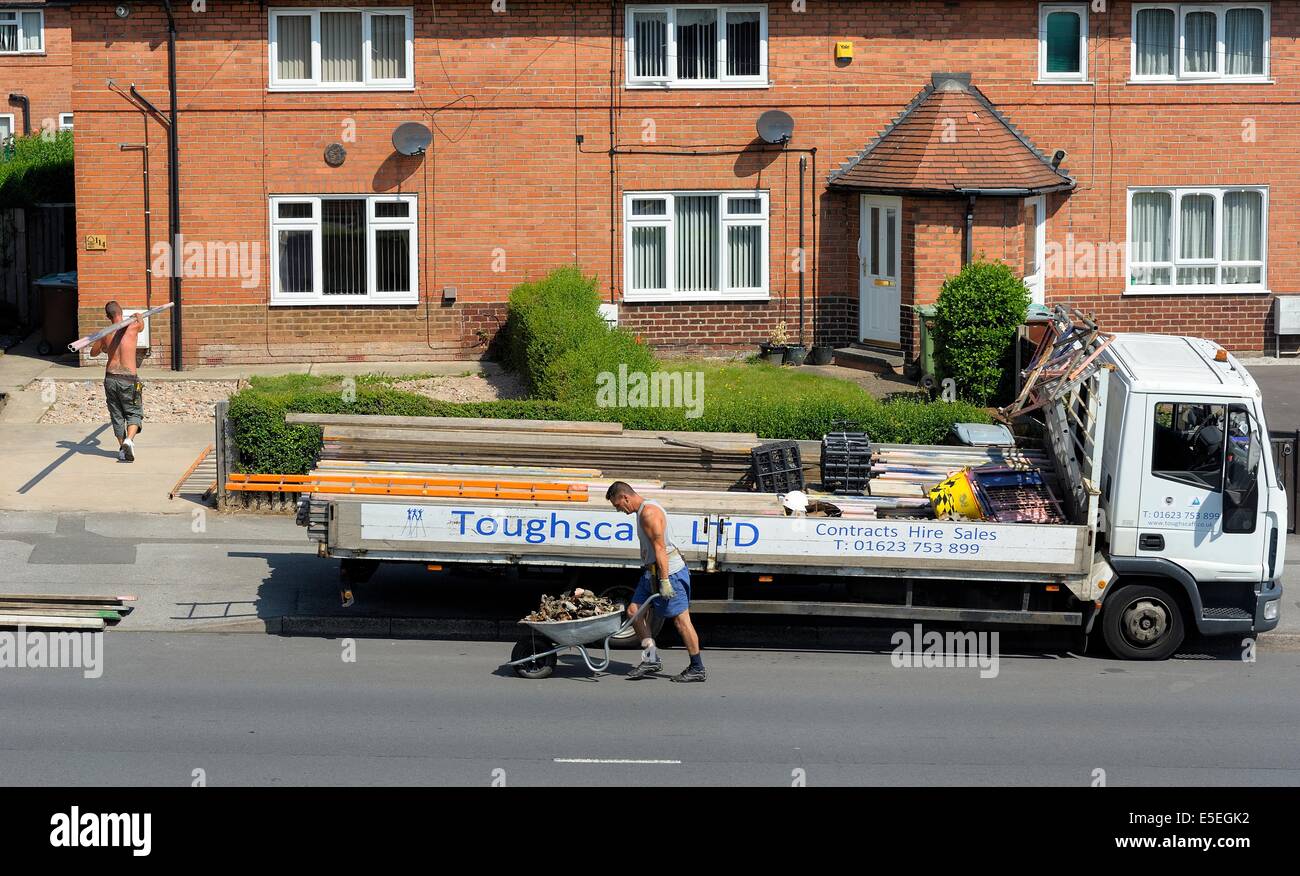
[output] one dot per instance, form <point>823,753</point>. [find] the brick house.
<point>1055,136</point>
<point>35,67</point>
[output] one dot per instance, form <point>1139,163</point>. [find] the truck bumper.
<point>1222,622</point>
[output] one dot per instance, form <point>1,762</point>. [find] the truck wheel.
<point>1140,622</point>
<point>622,594</point>
<point>540,668</point>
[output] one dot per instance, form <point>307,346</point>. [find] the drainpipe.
<point>803,253</point>
<point>969,252</point>
<point>27,111</point>
<point>173,189</point>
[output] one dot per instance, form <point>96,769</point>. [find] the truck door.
<point>1201,465</point>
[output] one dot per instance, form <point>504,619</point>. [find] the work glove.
<point>666,589</point>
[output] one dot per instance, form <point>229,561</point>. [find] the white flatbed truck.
<point>1179,522</point>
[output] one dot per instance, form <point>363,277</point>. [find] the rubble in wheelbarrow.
<point>575,605</point>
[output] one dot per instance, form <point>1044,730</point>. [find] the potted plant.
<point>773,352</point>
<point>821,354</point>
<point>795,351</point>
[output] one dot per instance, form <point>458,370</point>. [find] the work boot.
<point>690,673</point>
<point>644,668</point>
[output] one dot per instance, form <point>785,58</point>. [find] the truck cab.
<point>1192,515</point>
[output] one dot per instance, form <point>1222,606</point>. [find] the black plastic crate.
<point>777,467</point>
<point>846,462</point>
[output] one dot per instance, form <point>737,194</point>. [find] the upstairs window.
<point>1063,42</point>
<point>1198,43</point>
<point>341,49</point>
<point>697,46</point>
<point>22,31</point>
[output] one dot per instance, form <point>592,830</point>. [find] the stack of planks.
<point>687,460</point>
<point>58,611</point>
<point>901,470</point>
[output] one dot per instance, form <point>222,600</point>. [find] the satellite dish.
<point>775,126</point>
<point>411,138</point>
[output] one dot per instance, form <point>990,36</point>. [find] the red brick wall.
<point>46,79</point>
<point>506,94</point>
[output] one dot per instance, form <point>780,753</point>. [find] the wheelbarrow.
<point>528,662</point>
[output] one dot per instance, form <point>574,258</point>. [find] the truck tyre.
<point>540,668</point>
<point>622,594</point>
<point>1141,622</point>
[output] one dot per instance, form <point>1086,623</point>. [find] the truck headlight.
<point>1270,609</point>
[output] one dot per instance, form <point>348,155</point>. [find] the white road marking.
<point>611,760</point>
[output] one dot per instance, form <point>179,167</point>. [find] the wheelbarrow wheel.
<point>539,668</point>
<point>44,348</point>
<point>622,595</point>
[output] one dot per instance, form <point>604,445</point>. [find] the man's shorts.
<point>125,402</point>
<point>681,600</point>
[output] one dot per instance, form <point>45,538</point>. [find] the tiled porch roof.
<point>982,152</point>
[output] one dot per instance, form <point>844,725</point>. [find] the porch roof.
<point>951,140</point>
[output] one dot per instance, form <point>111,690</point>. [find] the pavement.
<point>1279,382</point>
<point>270,711</point>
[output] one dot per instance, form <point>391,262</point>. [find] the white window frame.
<point>1181,77</point>
<point>65,121</point>
<point>15,17</point>
<point>1176,194</point>
<point>721,80</point>
<point>373,224</point>
<point>1046,9</point>
<point>13,126</point>
<point>725,221</point>
<point>314,83</point>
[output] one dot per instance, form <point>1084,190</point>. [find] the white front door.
<point>879,272</point>
<point>1035,223</point>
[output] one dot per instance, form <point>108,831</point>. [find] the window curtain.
<point>1200,42</point>
<point>1196,238</point>
<point>649,257</point>
<point>392,260</point>
<point>1149,242</point>
<point>743,33</point>
<point>1063,36</point>
<point>650,42</point>
<point>697,43</point>
<point>697,243</point>
<point>343,246</point>
<point>296,261</point>
<point>1155,42</point>
<point>1244,42</point>
<point>293,46</point>
<point>9,36</point>
<point>31,32</point>
<point>388,46</point>
<point>340,46</point>
<point>1243,235</point>
<point>745,247</point>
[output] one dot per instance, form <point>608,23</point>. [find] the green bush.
<point>976,318</point>
<point>556,340</point>
<point>37,169</point>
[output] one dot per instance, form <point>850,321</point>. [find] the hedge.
<point>557,341</point>
<point>37,169</point>
<point>267,445</point>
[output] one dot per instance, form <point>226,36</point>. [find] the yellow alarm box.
<point>843,50</point>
